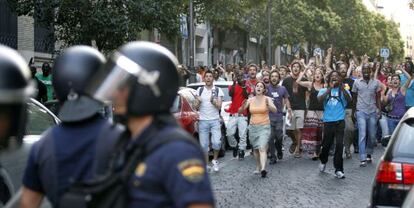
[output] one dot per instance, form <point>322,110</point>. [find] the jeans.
<point>392,124</point>
<point>234,123</point>
<point>333,131</point>
<point>383,123</point>
<point>366,121</point>
<point>276,137</point>
<point>205,127</point>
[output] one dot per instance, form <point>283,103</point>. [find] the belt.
<point>394,117</point>
<point>237,115</point>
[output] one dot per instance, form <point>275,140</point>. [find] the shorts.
<point>207,128</point>
<point>297,121</point>
<point>259,135</point>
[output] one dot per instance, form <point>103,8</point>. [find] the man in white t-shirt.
<point>209,104</point>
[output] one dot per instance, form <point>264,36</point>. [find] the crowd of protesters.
<point>325,106</point>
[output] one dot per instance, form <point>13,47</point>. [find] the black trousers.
<point>333,131</point>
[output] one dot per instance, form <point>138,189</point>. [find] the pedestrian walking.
<point>280,98</point>
<point>394,100</point>
<point>41,90</point>
<point>252,79</point>
<point>238,92</point>
<point>350,137</point>
<point>46,78</point>
<point>259,127</point>
<point>368,107</point>
<point>312,130</point>
<point>74,150</point>
<point>297,96</point>
<point>209,100</point>
<point>168,167</point>
<point>335,99</point>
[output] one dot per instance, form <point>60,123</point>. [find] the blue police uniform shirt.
<point>173,175</point>
<point>334,106</point>
<point>65,155</point>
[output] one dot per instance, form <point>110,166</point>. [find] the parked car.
<point>184,110</point>
<point>395,172</point>
<point>14,158</point>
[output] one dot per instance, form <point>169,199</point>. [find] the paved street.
<point>292,183</point>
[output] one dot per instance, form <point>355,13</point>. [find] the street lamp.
<point>191,44</point>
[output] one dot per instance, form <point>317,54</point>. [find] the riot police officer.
<point>142,80</point>
<point>70,152</point>
<point>16,88</point>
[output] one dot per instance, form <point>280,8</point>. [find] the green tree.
<point>108,24</point>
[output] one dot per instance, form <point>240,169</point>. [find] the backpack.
<point>110,190</point>
<point>201,89</point>
<point>338,98</point>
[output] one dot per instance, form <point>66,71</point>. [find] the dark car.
<point>184,110</point>
<point>395,172</point>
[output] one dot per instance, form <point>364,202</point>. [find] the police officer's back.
<point>70,152</point>
<point>173,174</point>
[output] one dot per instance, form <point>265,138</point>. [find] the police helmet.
<point>71,73</point>
<point>16,87</point>
<point>148,70</point>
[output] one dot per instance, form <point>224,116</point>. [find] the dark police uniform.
<point>174,175</point>
<point>67,153</point>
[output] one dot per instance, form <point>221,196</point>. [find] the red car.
<point>184,110</point>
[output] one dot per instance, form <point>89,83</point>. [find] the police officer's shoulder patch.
<point>192,169</point>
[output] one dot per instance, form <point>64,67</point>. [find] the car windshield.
<point>39,120</point>
<point>405,143</point>
<point>224,88</point>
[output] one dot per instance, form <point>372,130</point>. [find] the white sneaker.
<point>322,167</point>
<point>215,165</point>
<point>340,174</point>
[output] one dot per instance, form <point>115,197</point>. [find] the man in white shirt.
<point>209,104</point>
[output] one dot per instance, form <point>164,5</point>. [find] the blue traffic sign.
<point>385,52</point>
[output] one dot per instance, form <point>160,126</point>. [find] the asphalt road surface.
<point>293,182</point>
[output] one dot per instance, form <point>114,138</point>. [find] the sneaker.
<point>339,174</point>
<point>241,154</point>
<point>215,165</point>
<point>263,173</point>
<point>363,163</point>
<point>369,159</point>
<point>234,151</point>
<point>292,149</point>
<point>322,167</point>
<point>280,155</point>
<point>348,155</point>
<point>256,172</point>
<point>297,155</point>
<point>272,161</point>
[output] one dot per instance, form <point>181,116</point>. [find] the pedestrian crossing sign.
<point>385,52</point>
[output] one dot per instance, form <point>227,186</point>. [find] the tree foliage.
<point>106,23</point>
<point>345,24</point>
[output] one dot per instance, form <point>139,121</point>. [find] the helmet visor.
<point>118,73</point>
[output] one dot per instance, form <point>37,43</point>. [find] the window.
<point>405,140</point>
<point>39,120</point>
